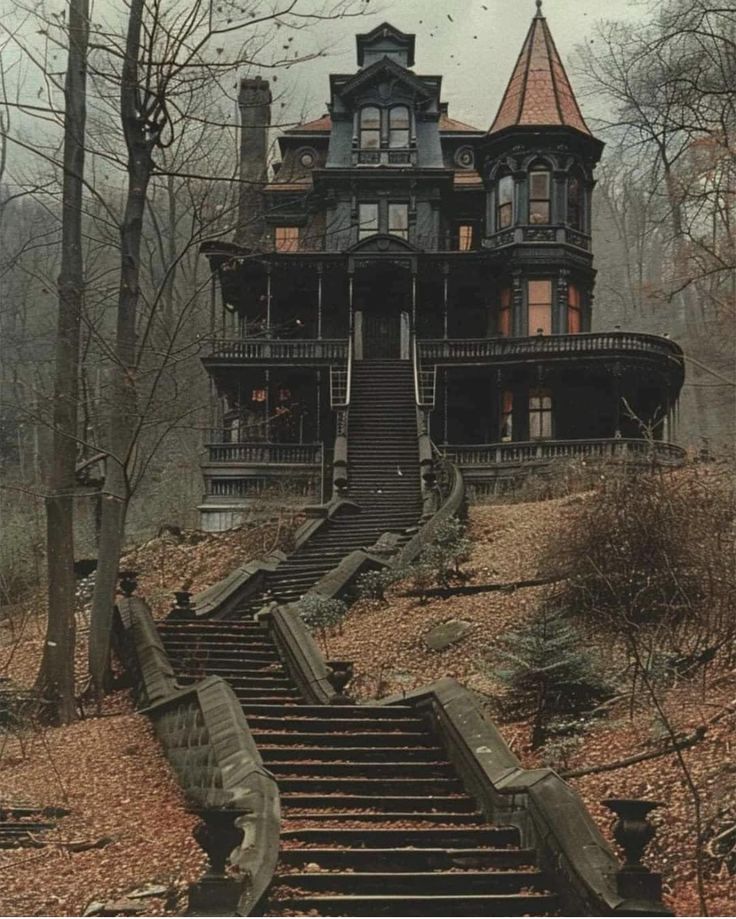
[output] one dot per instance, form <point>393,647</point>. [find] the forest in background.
<point>664,238</point>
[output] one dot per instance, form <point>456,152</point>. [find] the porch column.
<point>320,273</point>
<point>617,397</point>
<point>445,278</point>
<point>268,300</point>
<point>267,427</point>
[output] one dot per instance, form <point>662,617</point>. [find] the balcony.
<point>593,345</point>
<point>268,352</point>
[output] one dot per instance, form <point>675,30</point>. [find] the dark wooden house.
<point>390,231</point>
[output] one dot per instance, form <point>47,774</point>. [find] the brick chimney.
<point>254,102</point>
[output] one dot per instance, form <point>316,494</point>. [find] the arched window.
<point>540,198</point>
<point>505,205</point>
<point>370,128</point>
<point>575,203</point>
<point>399,127</point>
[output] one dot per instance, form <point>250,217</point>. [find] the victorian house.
<point>387,231</point>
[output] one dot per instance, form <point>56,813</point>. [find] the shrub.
<point>447,552</point>
<point>549,674</point>
<point>655,552</point>
<point>372,585</point>
<point>322,614</point>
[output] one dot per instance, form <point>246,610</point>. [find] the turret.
<point>538,162</point>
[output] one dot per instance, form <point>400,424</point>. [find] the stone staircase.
<point>375,820</point>
<point>383,475</point>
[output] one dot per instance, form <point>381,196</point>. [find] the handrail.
<point>340,460</point>
<point>452,504</point>
<point>550,814</point>
<point>440,349</point>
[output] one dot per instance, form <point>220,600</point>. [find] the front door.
<point>381,335</point>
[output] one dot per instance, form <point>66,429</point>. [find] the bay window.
<point>504,313</point>
<point>540,200</point>
<point>574,310</point>
<point>505,206</point>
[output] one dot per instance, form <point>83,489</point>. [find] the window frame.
<point>402,232</point>
<point>547,326</point>
<point>505,207</point>
<point>290,240</point>
<point>506,417</point>
<point>581,223</point>
<point>535,199</point>
<point>574,309</point>
<point>363,129</point>
<point>391,130</point>
<point>364,233</point>
<point>543,412</point>
<point>505,313</point>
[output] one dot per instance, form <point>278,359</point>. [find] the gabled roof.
<point>539,93</point>
<point>385,30</point>
<point>384,66</point>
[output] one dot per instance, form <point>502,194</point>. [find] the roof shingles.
<point>539,93</point>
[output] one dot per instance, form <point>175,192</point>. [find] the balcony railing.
<point>546,233</point>
<point>257,454</point>
<point>475,350</point>
<point>471,456</point>
<point>289,350</point>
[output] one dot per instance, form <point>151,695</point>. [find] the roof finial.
<point>540,14</point>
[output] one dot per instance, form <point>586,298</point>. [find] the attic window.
<point>465,158</point>
<point>306,158</point>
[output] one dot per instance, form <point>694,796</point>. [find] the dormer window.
<point>399,127</point>
<point>540,200</point>
<point>505,207</point>
<point>384,136</point>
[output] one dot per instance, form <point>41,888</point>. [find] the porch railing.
<point>267,349</point>
<point>265,454</point>
<point>589,343</point>
<point>468,456</point>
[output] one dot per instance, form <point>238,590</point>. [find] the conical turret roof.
<point>539,93</point>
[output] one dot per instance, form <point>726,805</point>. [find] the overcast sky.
<point>475,52</point>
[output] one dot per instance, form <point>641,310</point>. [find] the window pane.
<point>370,140</point>
<point>287,239</point>
<point>398,220</point>
<point>539,212</point>
<point>399,117</point>
<point>540,318</point>
<point>538,185</point>
<point>398,139</point>
<point>507,408</point>
<point>367,220</point>
<point>504,313</point>
<point>465,238</point>
<point>506,190</point>
<point>370,118</point>
<point>540,292</point>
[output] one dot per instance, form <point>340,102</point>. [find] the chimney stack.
<point>254,102</point>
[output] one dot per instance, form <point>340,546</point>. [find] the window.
<point>398,220</point>
<point>465,237</point>
<point>540,415</point>
<point>540,307</point>
<point>575,199</point>
<point>507,416</point>
<point>367,220</point>
<point>370,128</point>
<point>574,310</point>
<point>287,239</point>
<point>399,125</point>
<point>505,209</point>
<point>540,210</point>
<point>504,313</point>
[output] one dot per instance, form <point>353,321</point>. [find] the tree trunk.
<point>56,676</point>
<point>123,418</point>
